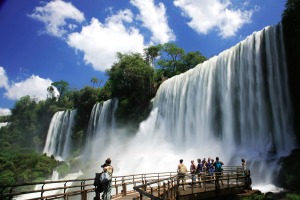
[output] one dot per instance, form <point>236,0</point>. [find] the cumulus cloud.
<point>5,111</point>
<point>101,41</point>
<point>3,78</point>
<point>206,15</point>
<point>154,18</point>
<point>55,14</point>
<point>34,86</point>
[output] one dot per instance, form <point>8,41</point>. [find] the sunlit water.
<point>268,188</point>
<point>235,105</point>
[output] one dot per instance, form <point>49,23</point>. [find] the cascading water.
<point>58,142</point>
<point>100,128</point>
<point>235,105</point>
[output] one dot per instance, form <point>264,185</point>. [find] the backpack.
<point>97,183</point>
<point>97,179</point>
<point>218,167</point>
<point>199,168</point>
<point>104,177</point>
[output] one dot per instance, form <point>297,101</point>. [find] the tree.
<point>172,59</point>
<point>151,53</point>
<point>191,59</point>
<point>62,87</point>
<point>131,77</point>
<point>94,81</point>
<point>131,81</point>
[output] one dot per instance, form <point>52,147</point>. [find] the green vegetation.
<point>25,166</point>
<point>290,174</point>
<point>293,196</point>
<point>133,80</point>
<point>272,196</point>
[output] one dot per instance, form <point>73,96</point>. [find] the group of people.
<point>210,166</point>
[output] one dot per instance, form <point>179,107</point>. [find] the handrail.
<point>234,177</point>
<point>86,185</point>
<point>153,185</point>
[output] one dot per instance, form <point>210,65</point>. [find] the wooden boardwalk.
<point>157,186</point>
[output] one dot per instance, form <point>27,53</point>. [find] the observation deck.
<point>157,186</point>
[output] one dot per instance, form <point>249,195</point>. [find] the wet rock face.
<point>289,176</point>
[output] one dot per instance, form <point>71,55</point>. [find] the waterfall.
<point>235,105</point>
<point>100,128</point>
<point>58,142</point>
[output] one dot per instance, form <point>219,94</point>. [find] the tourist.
<point>210,167</point>
<point>107,187</point>
<point>243,166</point>
<point>199,170</point>
<point>181,170</point>
<point>193,168</point>
<point>204,163</point>
<point>218,169</point>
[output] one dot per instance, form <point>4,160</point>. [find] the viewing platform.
<point>157,186</point>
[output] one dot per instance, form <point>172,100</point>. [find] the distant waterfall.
<point>101,126</point>
<point>58,142</point>
<point>235,105</point>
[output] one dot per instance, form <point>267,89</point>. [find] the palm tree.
<point>94,80</point>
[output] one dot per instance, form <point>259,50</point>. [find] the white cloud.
<point>206,15</point>
<point>5,111</point>
<point>3,78</point>
<point>54,15</point>
<point>154,18</point>
<point>100,42</point>
<point>34,86</point>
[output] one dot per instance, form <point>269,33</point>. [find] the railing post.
<point>228,181</point>
<point>124,189</point>
<point>84,195</point>
<point>42,192</point>
<point>164,188</point>
<point>205,180</point>
<point>65,185</point>
<point>133,180</point>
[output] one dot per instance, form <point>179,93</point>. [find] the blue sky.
<point>47,41</point>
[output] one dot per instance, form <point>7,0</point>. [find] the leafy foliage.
<point>24,166</point>
<point>289,175</point>
<point>131,81</point>
<point>84,100</point>
<point>173,61</point>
